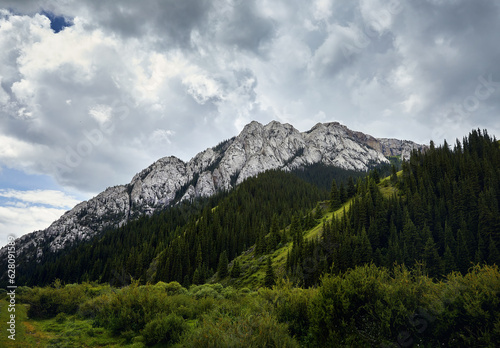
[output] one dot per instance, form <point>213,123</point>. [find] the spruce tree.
<point>449,264</point>
<point>222,267</point>
<point>274,237</point>
<point>394,175</point>
<point>342,193</point>
<point>269,279</point>
<point>432,259</point>
<point>375,176</point>
<point>351,187</point>
<point>363,251</point>
<point>260,244</point>
<point>236,270</point>
<point>196,277</point>
<point>463,256</point>
<point>493,254</point>
<point>334,197</point>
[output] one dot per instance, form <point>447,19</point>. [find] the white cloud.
<point>52,198</point>
<point>25,211</point>
<point>101,113</point>
<point>20,220</point>
<point>322,9</point>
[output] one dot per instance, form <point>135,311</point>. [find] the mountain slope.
<point>256,149</point>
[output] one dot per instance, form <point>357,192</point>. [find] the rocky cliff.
<point>169,180</point>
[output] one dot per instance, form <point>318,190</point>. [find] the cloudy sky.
<point>93,91</point>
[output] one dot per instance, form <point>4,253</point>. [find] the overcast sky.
<point>93,91</point>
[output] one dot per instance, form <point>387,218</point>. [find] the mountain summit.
<point>170,180</point>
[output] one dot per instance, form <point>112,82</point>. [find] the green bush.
<point>133,307</point>
<point>366,306</point>
<point>164,329</point>
<point>61,318</point>
<point>48,302</point>
<point>292,307</point>
<point>251,330</point>
<point>130,308</point>
<point>469,314</point>
<point>174,288</point>
<point>207,290</point>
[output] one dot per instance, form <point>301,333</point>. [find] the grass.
<point>65,331</point>
<point>254,268</point>
<point>28,332</point>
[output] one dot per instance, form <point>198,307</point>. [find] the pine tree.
<point>274,237</point>
<point>197,277</point>
<point>269,279</point>
<point>449,264</point>
<point>394,175</point>
<point>375,176</point>
<point>342,193</point>
<point>222,267</point>
<point>363,251</point>
<point>260,244</point>
<point>493,254</point>
<point>351,187</point>
<point>463,256</point>
<point>479,256</point>
<point>432,259</point>
<point>236,270</point>
<point>334,197</point>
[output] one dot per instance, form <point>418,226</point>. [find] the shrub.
<point>207,290</point>
<point>164,329</point>
<point>364,306</point>
<point>470,309</point>
<point>48,301</point>
<point>61,318</point>
<point>133,307</point>
<point>250,330</point>
<point>174,288</point>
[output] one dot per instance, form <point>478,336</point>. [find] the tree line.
<point>444,214</point>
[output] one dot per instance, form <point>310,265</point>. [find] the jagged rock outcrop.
<point>403,148</point>
<point>169,180</point>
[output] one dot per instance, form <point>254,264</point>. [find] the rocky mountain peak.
<point>170,180</point>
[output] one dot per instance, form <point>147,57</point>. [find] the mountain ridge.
<point>256,149</point>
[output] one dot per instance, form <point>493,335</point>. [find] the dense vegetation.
<point>409,259</point>
<point>445,214</point>
<point>366,306</point>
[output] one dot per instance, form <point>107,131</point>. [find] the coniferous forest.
<point>401,256</point>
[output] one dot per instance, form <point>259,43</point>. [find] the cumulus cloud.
<point>24,211</point>
<point>52,198</point>
<point>125,83</point>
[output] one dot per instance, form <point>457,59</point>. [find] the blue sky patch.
<point>18,180</point>
<point>57,23</point>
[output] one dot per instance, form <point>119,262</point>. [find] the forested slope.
<point>183,238</point>
<point>444,214</point>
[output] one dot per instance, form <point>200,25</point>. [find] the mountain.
<point>170,180</point>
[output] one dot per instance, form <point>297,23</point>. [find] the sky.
<point>92,91</point>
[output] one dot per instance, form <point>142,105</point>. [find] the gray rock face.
<point>403,148</point>
<point>169,180</point>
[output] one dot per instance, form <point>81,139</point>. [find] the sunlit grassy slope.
<point>253,267</point>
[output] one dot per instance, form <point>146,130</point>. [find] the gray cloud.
<point>132,81</point>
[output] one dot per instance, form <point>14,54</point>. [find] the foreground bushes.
<point>165,329</point>
<point>49,301</point>
<point>366,306</point>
